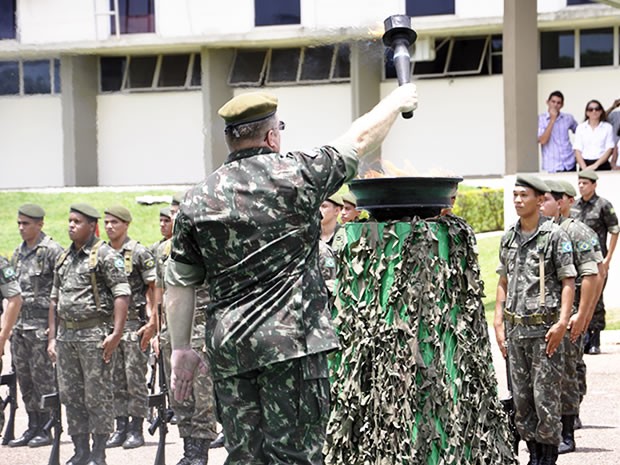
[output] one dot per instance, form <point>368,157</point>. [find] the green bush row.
<point>482,208</point>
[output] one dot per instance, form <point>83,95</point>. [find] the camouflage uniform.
<point>599,214</point>
<point>84,380</point>
<point>327,264</point>
<point>35,371</point>
<point>9,287</point>
<point>251,232</point>
<point>196,415</point>
<point>130,362</point>
<point>586,256</point>
<point>535,376</point>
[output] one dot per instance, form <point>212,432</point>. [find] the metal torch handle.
<point>402,64</point>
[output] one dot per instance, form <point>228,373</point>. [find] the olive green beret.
<point>532,181</point>
<point>336,199</point>
<point>554,186</point>
<point>31,210</point>
<point>248,108</point>
<point>588,174</point>
<point>119,212</point>
<point>85,210</point>
<point>177,198</point>
<point>165,212</point>
<point>568,188</point>
<point>350,198</point>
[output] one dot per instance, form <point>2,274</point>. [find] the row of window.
<point>29,77</point>
<point>149,72</point>
<point>580,48</point>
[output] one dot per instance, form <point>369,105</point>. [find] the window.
<point>29,77</point>
<point>149,72</point>
<point>457,56</point>
<point>596,47</point>
<point>557,49</point>
<point>276,12</point>
<point>578,2</point>
<point>8,28</point>
<point>429,7</point>
<point>134,16</point>
<point>324,63</point>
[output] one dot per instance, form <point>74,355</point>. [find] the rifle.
<point>9,379</point>
<point>52,402</point>
<point>508,406</point>
<point>161,403</point>
<point>152,381</point>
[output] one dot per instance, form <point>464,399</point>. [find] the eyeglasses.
<point>281,125</point>
<point>594,109</point>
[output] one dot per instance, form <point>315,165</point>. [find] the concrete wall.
<point>150,138</point>
<point>31,133</point>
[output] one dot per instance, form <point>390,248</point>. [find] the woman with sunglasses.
<point>594,142</point>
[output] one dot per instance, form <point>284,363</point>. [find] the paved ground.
<point>598,442</point>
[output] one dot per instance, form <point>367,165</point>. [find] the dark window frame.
<point>265,13</point>
<point>130,22</point>
<point>8,19</point>
<point>416,8</point>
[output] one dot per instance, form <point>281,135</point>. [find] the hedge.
<point>482,208</point>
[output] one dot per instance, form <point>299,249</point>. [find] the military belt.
<point>531,320</point>
<point>33,314</point>
<point>83,324</point>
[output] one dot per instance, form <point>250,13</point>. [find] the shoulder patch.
<point>149,263</point>
<point>119,263</point>
<point>582,246</point>
<point>329,262</point>
<point>567,247</point>
<point>8,272</point>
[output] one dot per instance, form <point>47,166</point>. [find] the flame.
<point>376,31</point>
<point>390,170</point>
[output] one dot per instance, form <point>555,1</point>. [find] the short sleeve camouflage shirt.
<point>9,286</point>
<point>599,214</point>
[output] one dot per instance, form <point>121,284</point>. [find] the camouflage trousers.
<point>276,414</point>
<point>571,391</point>
<point>35,371</point>
<point>130,365</point>
<point>85,387</point>
<point>196,415</point>
<point>536,389</point>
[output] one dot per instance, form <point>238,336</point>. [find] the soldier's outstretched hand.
<point>184,365</point>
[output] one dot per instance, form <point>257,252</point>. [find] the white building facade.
<point>126,92</point>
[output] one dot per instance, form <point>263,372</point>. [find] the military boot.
<point>199,451</point>
<point>97,455</point>
<point>549,454</point>
<point>135,436</point>
<point>31,431</point>
<point>81,447</point>
<point>535,452</point>
<point>218,441</point>
<point>187,451</point>
<point>42,436</point>
<point>568,435</point>
<point>118,437</point>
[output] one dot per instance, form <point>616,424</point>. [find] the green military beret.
<point>119,212</point>
<point>31,210</point>
<point>165,212</point>
<point>532,181</point>
<point>177,198</point>
<point>588,174</point>
<point>350,198</point>
<point>86,210</point>
<point>248,108</point>
<point>336,199</point>
<point>554,186</point>
<point>567,188</point>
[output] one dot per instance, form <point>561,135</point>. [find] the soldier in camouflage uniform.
<point>330,209</point>
<point>586,257</point>
<point>89,301</point>
<point>131,357</point>
<point>33,262</point>
<point>251,231</point>
<point>535,254</point>
<point>165,228</point>
<point>196,415</point>
<point>9,290</point>
<point>599,214</point>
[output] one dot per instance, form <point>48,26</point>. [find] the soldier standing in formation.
<point>89,297</point>
<point>34,262</point>
<point>251,231</point>
<point>587,257</point>
<point>535,294</point>
<point>599,214</point>
<point>196,415</point>
<point>131,357</point>
<point>9,290</point>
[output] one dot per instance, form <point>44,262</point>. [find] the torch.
<point>399,37</point>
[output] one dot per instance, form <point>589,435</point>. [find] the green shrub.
<point>482,208</point>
